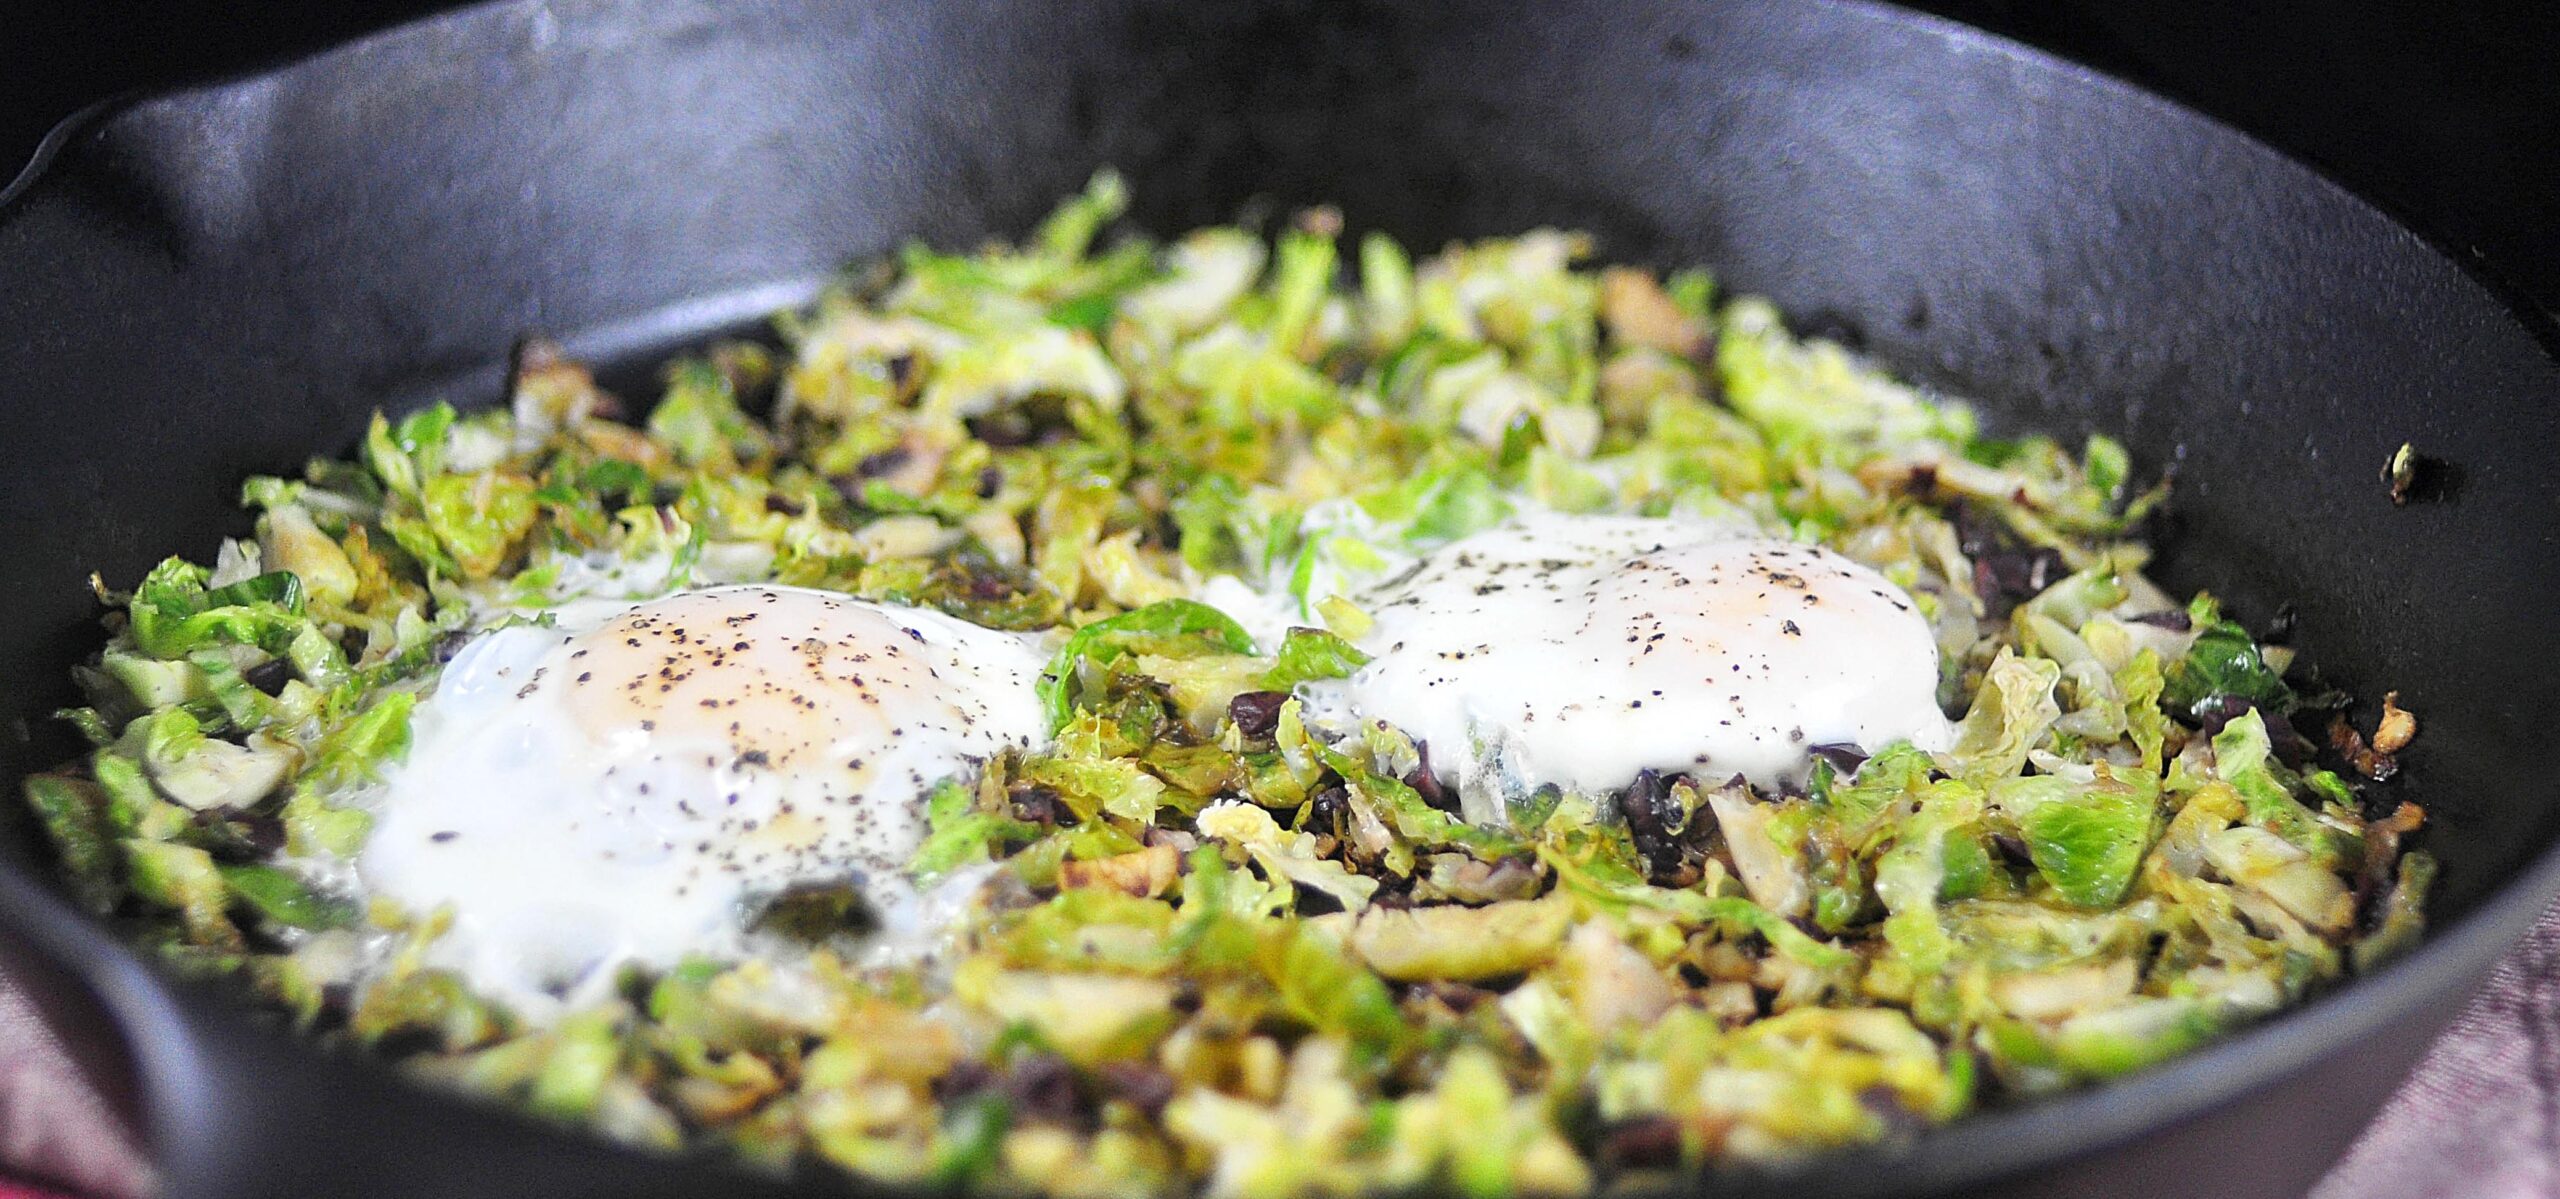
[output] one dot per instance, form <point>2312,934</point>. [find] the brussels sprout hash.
<point>1214,939</point>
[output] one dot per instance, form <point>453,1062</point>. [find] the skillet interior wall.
<point>2426,109</point>
<point>227,280</point>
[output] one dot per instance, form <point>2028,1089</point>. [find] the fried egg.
<point>625,784</point>
<point>1579,650</point>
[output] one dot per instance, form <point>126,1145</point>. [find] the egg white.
<point>624,785</point>
<point>1578,651</point>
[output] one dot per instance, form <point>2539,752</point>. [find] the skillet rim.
<point>144,1006</point>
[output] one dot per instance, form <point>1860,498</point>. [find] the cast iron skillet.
<point>225,280</point>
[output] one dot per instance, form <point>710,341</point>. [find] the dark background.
<point>2448,113</point>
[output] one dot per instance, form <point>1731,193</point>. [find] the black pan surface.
<point>222,281</point>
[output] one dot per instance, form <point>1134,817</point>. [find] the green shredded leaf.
<point>1098,644</point>
<point>1307,655</point>
<point>961,834</point>
<point>2224,663</point>
<point>284,899</point>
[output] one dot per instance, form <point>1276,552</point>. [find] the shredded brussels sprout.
<point>1223,947</point>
